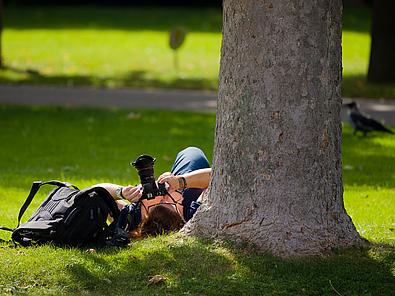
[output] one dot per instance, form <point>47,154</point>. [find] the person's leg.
<point>188,160</point>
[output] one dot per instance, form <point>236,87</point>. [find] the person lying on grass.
<point>189,177</point>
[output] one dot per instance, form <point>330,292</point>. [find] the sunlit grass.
<point>100,50</point>
<point>117,58</point>
<point>87,146</point>
<point>369,179</point>
<point>128,47</point>
<point>356,54</point>
<point>372,210</point>
<point>356,51</point>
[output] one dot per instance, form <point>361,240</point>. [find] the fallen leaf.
<point>132,258</point>
<point>91,251</point>
<point>156,279</point>
<point>133,116</point>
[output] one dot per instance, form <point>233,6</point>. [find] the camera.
<point>144,165</point>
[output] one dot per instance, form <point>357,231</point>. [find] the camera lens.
<point>143,161</point>
<point>145,168</point>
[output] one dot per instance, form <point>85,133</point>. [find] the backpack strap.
<point>35,187</point>
<point>6,228</point>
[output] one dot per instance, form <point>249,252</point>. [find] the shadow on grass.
<point>354,86</point>
<point>28,71</point>
<point>113,18</point>
<point>143,18</point>
<point>206,268</point>
<point>195,266</point>
<point>357,18</point>
<point>138,79</point>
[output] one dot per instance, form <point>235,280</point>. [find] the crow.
<point>363,123</point>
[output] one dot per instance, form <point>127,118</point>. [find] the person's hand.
<point>132,193</point>
<point>171,181</point>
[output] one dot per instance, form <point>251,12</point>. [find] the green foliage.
<point>87,146</point>
<point>118,47</point>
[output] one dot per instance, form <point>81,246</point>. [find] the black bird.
<point>363,123</point>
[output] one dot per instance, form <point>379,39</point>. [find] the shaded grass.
<point>357,86</point>
<point>128,47</point>
<point>194,267</point>
<point>132,18</point>
<point>87,146</point>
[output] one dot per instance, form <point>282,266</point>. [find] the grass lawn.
<point>87,146</point>
<point>128,47</point>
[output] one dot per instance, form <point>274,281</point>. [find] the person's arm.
<point>195,179</point>
<point>131,193</point>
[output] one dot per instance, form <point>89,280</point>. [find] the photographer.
<point>189,177</point>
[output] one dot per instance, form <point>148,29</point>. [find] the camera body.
<point>144,165</point>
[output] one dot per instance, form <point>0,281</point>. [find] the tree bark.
<point>277,175</point>
<point>382,50</point>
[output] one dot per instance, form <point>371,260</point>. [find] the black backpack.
<point>68,216</point>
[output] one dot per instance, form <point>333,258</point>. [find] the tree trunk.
<point>382,50</point>
<point>276,178</point>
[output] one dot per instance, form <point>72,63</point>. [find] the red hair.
<point>160,220</point>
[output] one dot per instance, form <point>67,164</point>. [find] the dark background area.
<point>211,3</point>
<point>214,3</point>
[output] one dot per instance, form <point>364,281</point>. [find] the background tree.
<point>176,40</point>
<point>382,51</point>
<point>277,162</point>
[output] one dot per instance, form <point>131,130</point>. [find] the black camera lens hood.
<point>143,161</point>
